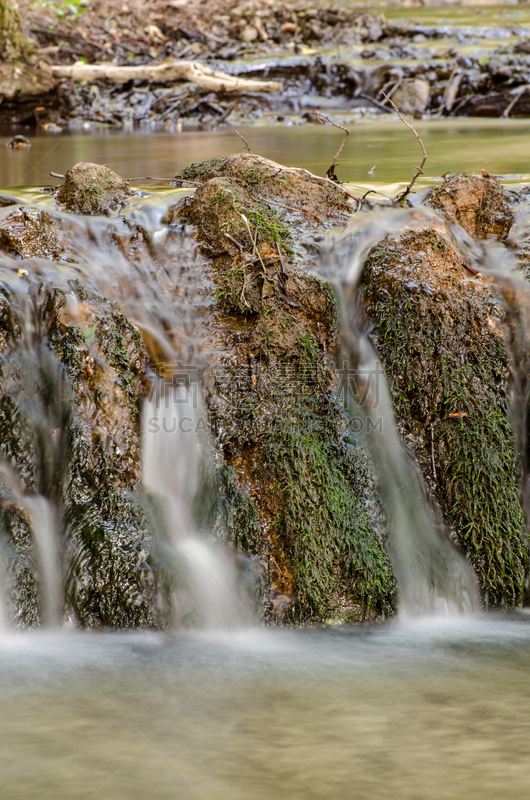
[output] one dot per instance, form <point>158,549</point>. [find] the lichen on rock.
<point>92,189</point>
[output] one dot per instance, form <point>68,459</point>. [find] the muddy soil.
<point>326,56</point>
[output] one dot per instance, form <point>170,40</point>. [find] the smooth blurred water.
<point>453,145</point>
<point>435,709</point>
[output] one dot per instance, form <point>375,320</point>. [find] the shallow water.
<point>465,145</point>
<point>434,709</point>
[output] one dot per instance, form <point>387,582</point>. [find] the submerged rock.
<point>438,333</point>
<point>92,189</point>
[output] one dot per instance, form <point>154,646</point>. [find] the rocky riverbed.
<point>325,57</point>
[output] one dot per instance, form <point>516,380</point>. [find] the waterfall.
<point>49,579</point>
<point>171,457</point>
<point>434,578</point>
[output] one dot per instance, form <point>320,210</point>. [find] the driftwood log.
<point>168,72</point>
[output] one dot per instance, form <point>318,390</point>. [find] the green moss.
<point>442,359</point>
<point>89,471</point>
<point>239,517</point>
<point>309,346</point>
<point>270,225</point>
<point>338,560</point>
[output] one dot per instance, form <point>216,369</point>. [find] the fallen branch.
<point>143,178</point>
<point>411,127</point>
<point>168,72</point>
<point>331,171</point>
<point>518,93</point>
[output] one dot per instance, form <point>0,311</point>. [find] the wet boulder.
<point>437,329</point>
<point>69,428</point>
<point>92,189</point>
<point>296,483</point>
<point>28,232</point>
<point>480,205</point>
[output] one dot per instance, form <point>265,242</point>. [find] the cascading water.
<point>433,577</point>
<point>45,529</point>
<point>171,457</point>
<point>164,294</point>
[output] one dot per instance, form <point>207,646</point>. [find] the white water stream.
<point>172,450</point>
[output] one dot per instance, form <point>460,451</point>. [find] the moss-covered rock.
<point>294,492</point>
<point>92,189</point>
<point>438,332</point>
<point>480,205</point>
<point>314,200</point>
<point>69,426</point>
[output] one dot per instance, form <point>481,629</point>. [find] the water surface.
<point>380,152</point>
<point>435,709</point>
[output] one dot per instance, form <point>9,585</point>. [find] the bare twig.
<point>235,242</point>
<point>375,102</point>
<point>331,171</point>
<point>451,91</point>
<point>254,240</point>
<point>57,175</point>
<point>244,142</point>
<point>517,94</point>
<point>390,88</point>
<point>281,205</point>
<point>143,178</point>
<point>411,127</point>
<point>242,298</point>
<point>280,257</point>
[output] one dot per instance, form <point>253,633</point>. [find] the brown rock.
<point>479,205</point>
<point>92,189</point>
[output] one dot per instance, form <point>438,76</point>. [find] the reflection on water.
<point>437,709</point>
<point>464,145</point>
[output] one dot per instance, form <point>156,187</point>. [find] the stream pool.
<point>457,145</point>
<point>434,709</point>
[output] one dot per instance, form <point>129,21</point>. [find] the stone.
<point>92,189</point>
<point>413,97</point>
